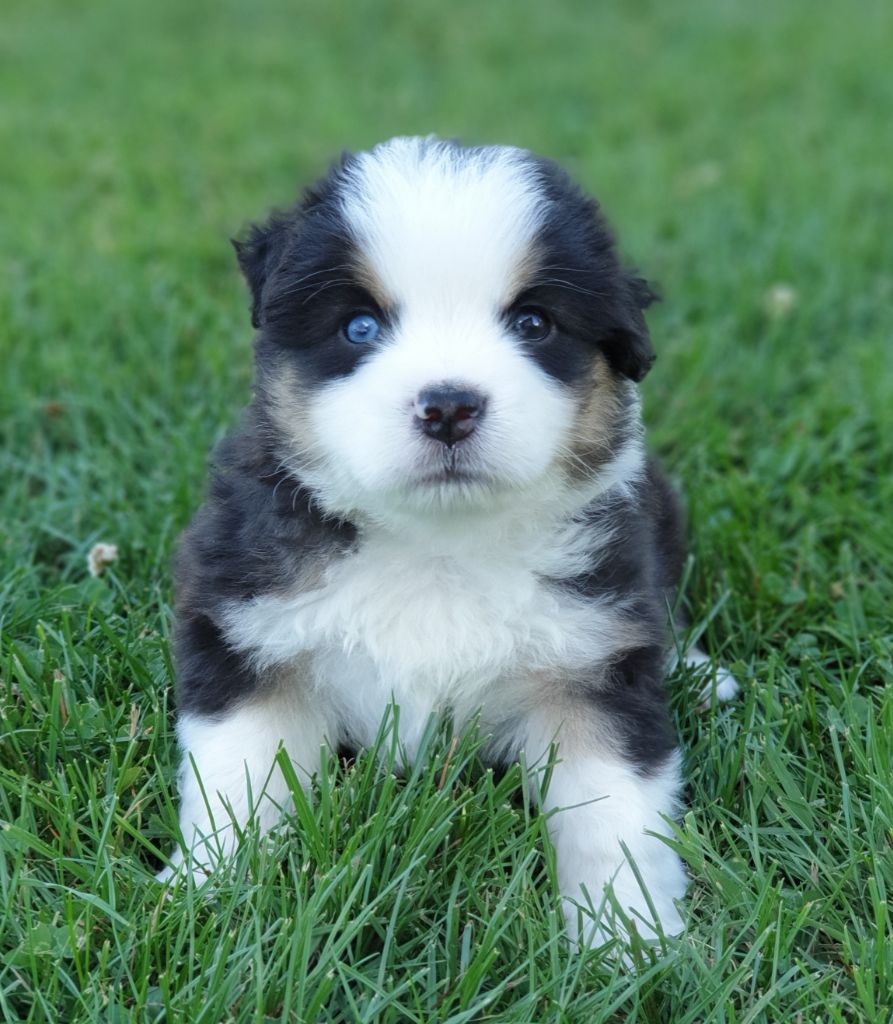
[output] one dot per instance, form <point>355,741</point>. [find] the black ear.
<point>258,255</point>
<point>628,346</point>
<point>643,295</point>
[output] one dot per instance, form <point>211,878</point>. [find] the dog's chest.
<point>437,619</point>
<point>408,617</point>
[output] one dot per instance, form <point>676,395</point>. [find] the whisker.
<point>301,283</point>
<point>560,270</point>
<point>322,270</point>
<point>561,283</point>
<point>574,458</point>
<point>323,287</point>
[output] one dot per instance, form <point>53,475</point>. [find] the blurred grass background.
<point>743,152</point>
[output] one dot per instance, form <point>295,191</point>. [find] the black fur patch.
<point>579,280</point>
<point>640,569</point>
<point>304,273</point>
<point>634,700</point>
<point>257,531</point>
<point>211,677</point>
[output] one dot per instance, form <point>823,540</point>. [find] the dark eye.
<point>362,328</point>
<point>531,325</point>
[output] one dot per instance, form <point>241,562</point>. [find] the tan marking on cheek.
<point>592,440</point>
<point>287,403</point>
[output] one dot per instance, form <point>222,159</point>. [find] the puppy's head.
<point>446,328</point>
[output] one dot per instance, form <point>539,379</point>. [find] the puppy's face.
<point>445,328</point>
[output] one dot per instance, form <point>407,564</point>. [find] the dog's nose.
<point>448,414</point>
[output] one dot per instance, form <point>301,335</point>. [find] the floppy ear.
<point>258,256</point>
<point>628,346</point>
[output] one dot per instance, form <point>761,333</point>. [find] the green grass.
<point>736,147</point>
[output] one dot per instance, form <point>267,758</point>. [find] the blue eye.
<point>362,328</point>
<point>531,325</point>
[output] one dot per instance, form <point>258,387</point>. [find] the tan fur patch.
<point>593,439</point>
<point>286,401</point>
<point>366,275</point>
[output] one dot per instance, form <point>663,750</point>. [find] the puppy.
<point>439,497</point>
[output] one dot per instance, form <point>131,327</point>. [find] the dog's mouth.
<point>451,466</point>
<point>450,476</point>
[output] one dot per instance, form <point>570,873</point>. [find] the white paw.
<point>593,921</point>
<point>609,833</point>
<point>723,685</point>
<point>584,930</point>
<point>591,931</point>
<point>177,871</point>
<point>166,875</point>
<point>720,684</point>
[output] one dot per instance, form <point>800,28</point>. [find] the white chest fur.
<point>436,620</point>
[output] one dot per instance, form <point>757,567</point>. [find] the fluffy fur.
<point>446,503</point>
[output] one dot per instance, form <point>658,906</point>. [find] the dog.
<point>440,497</point>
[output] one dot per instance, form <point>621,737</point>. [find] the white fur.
<point>458,621</point>
<point>600,802</point>
<point>227,775</point>
<point>444,229</point>
<point>441,607</point>
<point>450,618</point>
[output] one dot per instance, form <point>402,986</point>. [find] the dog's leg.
<point>228,774</point>
<point>615,782</point>
<point>599,805</point>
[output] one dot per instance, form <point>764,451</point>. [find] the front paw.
<point>612,906</point>
<point>178,869</point>
<point>723,686</point>
<point>590,927</point>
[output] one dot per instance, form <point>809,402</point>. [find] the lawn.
<point>744,153</point>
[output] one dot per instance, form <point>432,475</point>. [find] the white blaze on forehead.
<point>437,222</point>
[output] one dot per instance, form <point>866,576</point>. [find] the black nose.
<point>448,414</point>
